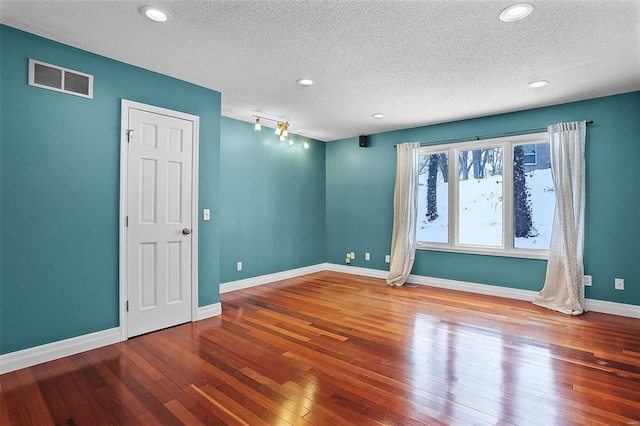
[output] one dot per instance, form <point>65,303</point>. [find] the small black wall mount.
<point>362,142</point>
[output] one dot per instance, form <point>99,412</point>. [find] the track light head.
<point>282,131</point>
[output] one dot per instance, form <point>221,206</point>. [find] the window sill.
<point>487,251</point>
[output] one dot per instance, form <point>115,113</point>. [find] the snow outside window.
<point>491,197</point>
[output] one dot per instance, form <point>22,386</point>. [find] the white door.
<point>159,191</point>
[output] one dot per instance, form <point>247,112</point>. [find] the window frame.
<point>507,248</point>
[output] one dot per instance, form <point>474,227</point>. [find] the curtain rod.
<point>477,138</point>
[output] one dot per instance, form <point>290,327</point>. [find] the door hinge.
<point>129,135</point>
<point>126,221</point>
<point>127,306</point>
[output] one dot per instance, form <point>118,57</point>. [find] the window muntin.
<point>480,199</point>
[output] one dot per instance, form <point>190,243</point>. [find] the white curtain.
<point>563,289</point>
<point>405,210</point>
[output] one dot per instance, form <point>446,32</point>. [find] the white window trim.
<point>507,249</point>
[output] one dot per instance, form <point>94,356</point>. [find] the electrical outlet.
<point>367,256</point>
<point>587,281</point>
<point>239,266</point>
<point>387,258</point>
<point>619,283</point>
<point>353,254</point>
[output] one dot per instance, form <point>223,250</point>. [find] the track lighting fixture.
<point>282,131</point>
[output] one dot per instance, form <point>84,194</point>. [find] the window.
<point>529,152</point>
<point>433,206</point>
<point>488,197</point>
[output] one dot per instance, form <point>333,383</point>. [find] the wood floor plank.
<point>337,349</point>
<point>58,408</point>
<point>192,405</point>
<point>232,408</point>
<point>182,413</point>
<point>118,390</point>
<point>79,400</point>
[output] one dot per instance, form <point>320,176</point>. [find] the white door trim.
<point>124,158</point>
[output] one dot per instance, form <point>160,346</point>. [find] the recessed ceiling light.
<point>536,84</point>
<point>154,14</point>
<point>305,81</point>
<point>516,12</point>
<point>377,115</point>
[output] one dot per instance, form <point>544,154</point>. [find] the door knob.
<point>186,231</point>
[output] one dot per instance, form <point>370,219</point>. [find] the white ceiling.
<point>416,62</point>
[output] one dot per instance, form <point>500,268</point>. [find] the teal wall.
<point>360,199</point>
<point>272,203</point>
<point>59,171</point>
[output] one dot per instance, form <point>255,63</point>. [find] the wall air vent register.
<point>60,79</point>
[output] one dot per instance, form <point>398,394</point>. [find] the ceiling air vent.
<point>60,79</point>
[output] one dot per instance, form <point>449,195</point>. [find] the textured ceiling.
<point>416,62</point>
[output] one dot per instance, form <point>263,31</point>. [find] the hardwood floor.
<point>336,349</point>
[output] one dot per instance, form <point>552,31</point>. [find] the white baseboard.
<point>265,279</point>
<point>208,311</point>
<point>613,308</point>
<point>37,355</point>
<point>490,290</point>
<point>356,270</point>
<point>592,305</point>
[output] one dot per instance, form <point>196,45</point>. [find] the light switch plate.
<point>206,214</point>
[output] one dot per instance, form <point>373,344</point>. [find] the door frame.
<point>124,180</point>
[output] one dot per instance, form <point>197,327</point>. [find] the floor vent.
<point>53,77</point>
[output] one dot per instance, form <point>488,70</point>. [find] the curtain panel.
<point>405,211</point>
<point>563,289</point>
